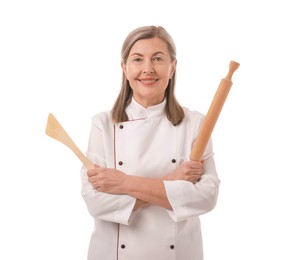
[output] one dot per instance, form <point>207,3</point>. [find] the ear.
<point>123,66</point>
<point>173,68</point>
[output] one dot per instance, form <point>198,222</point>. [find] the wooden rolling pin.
<point>213,114</point>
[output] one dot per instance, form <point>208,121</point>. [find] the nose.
<point>148,67</point>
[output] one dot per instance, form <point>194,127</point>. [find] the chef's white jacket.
<point>148,145</point>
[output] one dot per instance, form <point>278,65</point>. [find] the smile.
<point>148,81</point>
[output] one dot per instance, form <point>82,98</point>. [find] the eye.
<point>137,59</point>
<point>157,59</point>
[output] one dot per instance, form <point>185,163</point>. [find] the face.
<point>148,69</point>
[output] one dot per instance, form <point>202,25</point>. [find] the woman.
<point>144,194</point>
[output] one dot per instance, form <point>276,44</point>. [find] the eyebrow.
<point>156,53</point>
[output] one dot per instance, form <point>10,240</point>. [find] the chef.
<point>144,193</point>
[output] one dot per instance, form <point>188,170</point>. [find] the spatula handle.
<point>56,131</point>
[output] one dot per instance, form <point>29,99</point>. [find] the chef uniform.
<point>148,145</point>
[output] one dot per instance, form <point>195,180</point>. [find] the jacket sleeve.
<point>107,207</point>
<point>187,199</point>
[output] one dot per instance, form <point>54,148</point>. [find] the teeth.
<point>148,80</point>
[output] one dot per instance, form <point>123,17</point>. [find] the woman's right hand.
<point>186,171</point>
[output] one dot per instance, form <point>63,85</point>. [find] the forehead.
<point>149,46</point>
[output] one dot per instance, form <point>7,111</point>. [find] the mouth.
<point>148,81</point>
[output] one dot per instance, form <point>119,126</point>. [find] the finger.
<point>91,180</point>
<point>196,174</point>
<point>91,173</point>
<point>193,172</point>
<point>194,164</point>
<point>96,185</point>
<point>94,171</point>
<point>192,179</point>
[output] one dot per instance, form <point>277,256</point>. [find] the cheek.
<point>131,72</point>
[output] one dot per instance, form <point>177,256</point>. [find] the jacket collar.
<point>136,111</point>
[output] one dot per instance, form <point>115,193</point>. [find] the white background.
<point>64,57</point>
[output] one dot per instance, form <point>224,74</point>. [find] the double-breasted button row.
<point>123,246</point>
<point>173,161</point>
<point>120,162</point>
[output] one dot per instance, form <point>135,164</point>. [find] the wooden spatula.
<point>56,131</point>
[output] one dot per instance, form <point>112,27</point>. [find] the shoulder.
<point>102,120</point>
<point>192,121</point>
<point>192,115</point>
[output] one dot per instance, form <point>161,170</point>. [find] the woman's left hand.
<point>107,180</point>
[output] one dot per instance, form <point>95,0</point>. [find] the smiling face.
<point>148,69</point>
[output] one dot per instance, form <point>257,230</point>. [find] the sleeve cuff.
<point>175,194</point>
